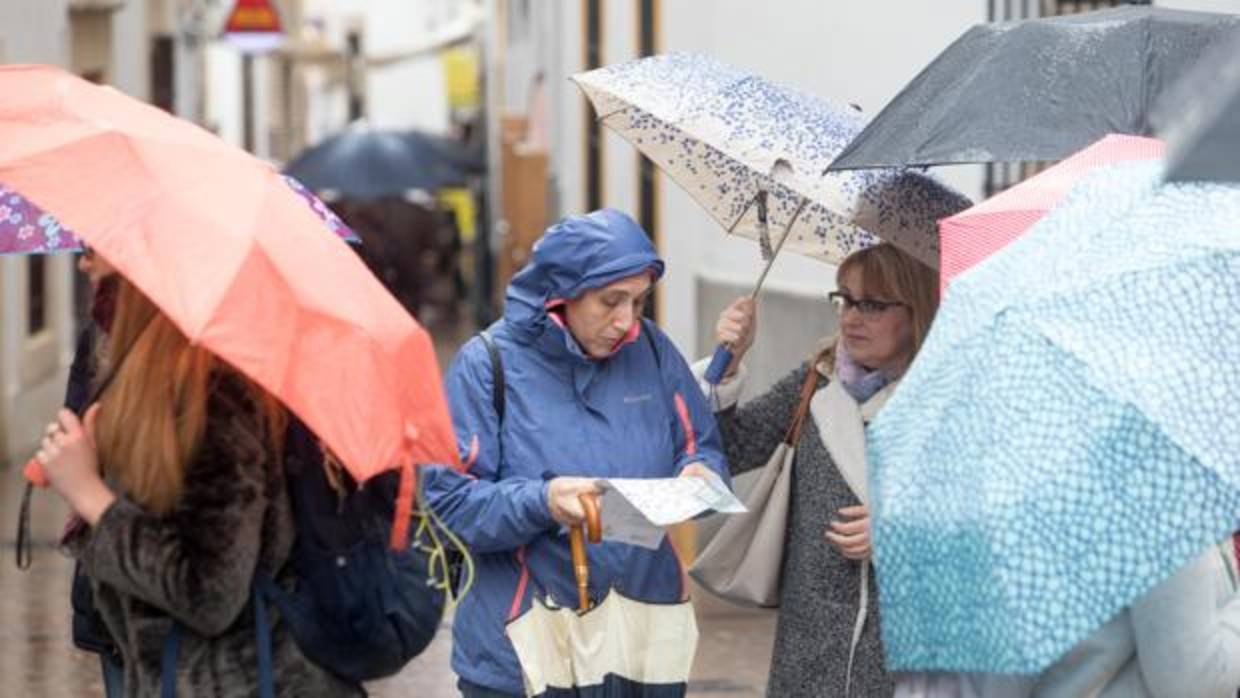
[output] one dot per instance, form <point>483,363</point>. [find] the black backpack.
<point>359,609</point>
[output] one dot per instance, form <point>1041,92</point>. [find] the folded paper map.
<point>636,510</point>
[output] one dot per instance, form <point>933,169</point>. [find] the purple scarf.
<point>860,382</point>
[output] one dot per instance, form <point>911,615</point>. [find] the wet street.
<point>38,658</point>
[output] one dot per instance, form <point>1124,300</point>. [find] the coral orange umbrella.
<point>976,233</point>
<point>235,257</point>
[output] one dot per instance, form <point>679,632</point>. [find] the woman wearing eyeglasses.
<point>827,639</point>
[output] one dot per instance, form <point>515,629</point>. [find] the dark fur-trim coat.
<point>196,564</point>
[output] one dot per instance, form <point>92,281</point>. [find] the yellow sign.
<point>460,69</point>
<point>460,201</point>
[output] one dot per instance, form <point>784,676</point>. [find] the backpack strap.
<point>654,347</point>
<point>262,632</point>
<point>497,373</point>
<point>168,662</point>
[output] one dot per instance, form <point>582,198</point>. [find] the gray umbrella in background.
<point>1037,89</point>
<point>1199,118</point>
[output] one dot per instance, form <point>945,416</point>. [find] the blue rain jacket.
<point>631,414</point>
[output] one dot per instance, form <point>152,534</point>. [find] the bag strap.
<point>798,417</point>
<point>262,631</point>
<point>654,347</point>
<point>497,373</point>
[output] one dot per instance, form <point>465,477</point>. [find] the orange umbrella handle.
<point>34,473</point>
<point>577,541</point>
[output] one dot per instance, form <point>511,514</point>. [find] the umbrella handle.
<point>719,363</point>
<point>581,566</point>
<point>33,472</point>
<point>594,519</point>
<point>577,536</point>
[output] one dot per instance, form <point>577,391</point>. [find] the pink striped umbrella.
<point>978,232</point>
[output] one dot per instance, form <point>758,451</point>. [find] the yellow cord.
<point>437,553</point>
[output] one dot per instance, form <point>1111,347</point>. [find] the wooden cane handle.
<point>594,520</point>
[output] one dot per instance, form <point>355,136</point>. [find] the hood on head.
<point>579,253</point>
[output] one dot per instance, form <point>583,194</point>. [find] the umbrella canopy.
<point>27,229</point>
<point>976,233</point>
<point>1038,89</point>
<point>1067,436</point>
<point>751,153</point>
<point>1200,119</point>
<point>619,647</point>
<point>235,257</point>
<point>368,163</point>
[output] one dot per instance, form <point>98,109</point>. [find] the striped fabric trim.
<point>522,584</point>
<point>682,410</point>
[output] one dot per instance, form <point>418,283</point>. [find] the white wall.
<point>35,31</point>
<point>130,49</point>
<point>223,87</point>
<point>405,94</point>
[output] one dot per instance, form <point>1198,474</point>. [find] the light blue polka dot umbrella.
<point>751,152</point>
<point>1068,435</point>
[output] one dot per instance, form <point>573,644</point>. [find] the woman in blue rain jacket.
<point>591,391</point>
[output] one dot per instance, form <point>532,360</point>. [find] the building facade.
<point>146,48</point>
<point>849,52</point>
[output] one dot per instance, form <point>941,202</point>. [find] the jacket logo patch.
<point>637,398</point>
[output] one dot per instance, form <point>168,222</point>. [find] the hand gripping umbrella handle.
<point>718,364</point>
<point>722,357</point>
<point>577,540</point>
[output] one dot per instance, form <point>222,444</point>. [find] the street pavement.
<point>37,657</point>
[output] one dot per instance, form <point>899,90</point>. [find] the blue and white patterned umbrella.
<point>1068,435</point>
<point>719,132</point>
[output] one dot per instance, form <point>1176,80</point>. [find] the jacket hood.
<point>573,256</point>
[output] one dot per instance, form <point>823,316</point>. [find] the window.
<point>163,74</point>
<point>36,294</point>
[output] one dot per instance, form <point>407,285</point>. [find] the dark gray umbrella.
<point>1037,89</point>
<point>368,163</point>
<point>1199,117</point>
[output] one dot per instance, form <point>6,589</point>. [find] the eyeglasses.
<point>869,308</point>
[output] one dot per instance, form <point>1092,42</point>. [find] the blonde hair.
<point>153,412</point>
<point>891,274</point>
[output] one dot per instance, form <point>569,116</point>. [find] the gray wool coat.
<point>196,564</point>
<point>820,591</point>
